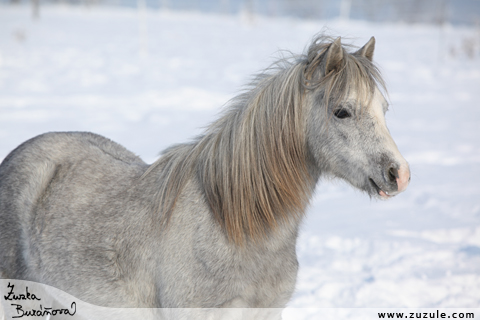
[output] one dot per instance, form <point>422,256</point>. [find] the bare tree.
<point>373,9</point>
<point>35,9</point>
<point>305,8</point>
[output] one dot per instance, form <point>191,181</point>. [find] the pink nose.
<point>403,178</point>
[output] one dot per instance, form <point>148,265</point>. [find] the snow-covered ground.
<point>148,80</point>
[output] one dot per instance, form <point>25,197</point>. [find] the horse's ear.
<point>367,50</point>
<point>323,62</point>
<point>334,56</point>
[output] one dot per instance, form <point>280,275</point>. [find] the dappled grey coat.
<point>214,222</point>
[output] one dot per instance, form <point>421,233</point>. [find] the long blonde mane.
<point>251,164</point>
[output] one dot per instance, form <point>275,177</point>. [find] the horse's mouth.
<point>379,191</point>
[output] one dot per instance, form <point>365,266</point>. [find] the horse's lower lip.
<point>382,193</point>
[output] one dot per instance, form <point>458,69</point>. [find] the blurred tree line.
<point>408,11</point>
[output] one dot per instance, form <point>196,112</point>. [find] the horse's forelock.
<point>357,74</point>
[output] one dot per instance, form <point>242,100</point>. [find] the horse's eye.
<point>341,113</point>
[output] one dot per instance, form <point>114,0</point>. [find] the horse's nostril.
<point>392,174</point>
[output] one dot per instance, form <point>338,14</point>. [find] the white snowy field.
<point>150,80</point>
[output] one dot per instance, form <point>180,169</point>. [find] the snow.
<point>154,79</point>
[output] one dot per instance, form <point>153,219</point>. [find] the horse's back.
<point>64,199</point>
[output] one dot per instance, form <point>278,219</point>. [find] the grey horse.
<point>214,222</point>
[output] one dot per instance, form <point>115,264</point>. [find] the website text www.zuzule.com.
<point>426,315</point>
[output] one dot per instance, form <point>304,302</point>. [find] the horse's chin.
<point>376,192</point>
<point>372,189</point>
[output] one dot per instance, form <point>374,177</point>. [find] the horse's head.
<point>346,131</point>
